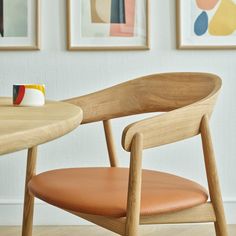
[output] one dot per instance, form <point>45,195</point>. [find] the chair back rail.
<point>153,93</point>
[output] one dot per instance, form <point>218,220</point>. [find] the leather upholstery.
<point>103,191</point>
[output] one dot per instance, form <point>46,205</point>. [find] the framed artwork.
<point>19,24</point>
<point>206,24</point>
<point>108,24</point>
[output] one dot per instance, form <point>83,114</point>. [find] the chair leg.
<point>134,189</point>
<point>213,180</point>
<point>220,224</point>
<point>27,224</point>
<point>220,229</point>
<point>110,143</point>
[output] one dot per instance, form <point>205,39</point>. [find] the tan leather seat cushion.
<point>103,191</point>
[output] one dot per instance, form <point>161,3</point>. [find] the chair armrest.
<point>167,128</point>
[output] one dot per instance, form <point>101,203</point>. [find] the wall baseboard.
<point>11,213</point>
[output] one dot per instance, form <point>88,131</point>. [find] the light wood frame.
<point>187,115</point>
<point>37,44</point>
<point>106,48</point>
<point>179,43</point>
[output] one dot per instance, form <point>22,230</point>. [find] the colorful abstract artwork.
<point>207,23</point>
<point>108,18</point>
<point>108,23</point>
<point>18,23</point>
<point>107,11</point>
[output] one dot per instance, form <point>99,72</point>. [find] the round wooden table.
<point>27,127</point>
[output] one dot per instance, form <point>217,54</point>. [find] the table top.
<point>26,127</point>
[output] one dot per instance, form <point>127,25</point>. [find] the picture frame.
<point>20,25</point>
<point>123,27</point>
<point>209,25</point>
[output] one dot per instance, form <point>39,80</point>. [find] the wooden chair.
<point>121,199</point>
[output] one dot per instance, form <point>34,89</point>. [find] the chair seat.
<point>103,191</point>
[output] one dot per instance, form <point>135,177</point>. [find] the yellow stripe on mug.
<point>36,86</point>
<point>29,95</point>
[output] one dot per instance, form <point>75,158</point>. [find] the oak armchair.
<point>121,199</point>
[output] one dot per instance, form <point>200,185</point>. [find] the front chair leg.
<point>27,224</point>
<point>213,180</point>
<point>134,189</point>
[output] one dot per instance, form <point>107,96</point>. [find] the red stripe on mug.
<point>20,95</point>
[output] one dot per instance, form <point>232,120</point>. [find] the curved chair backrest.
<point>186,96</point>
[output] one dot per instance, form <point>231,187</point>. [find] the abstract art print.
<point>108,24</point>
<point>206,24</point>
<point>19,24</point>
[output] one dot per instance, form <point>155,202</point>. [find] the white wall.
<point>68,74</point>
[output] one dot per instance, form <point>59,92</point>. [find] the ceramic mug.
<point>28,94</point>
